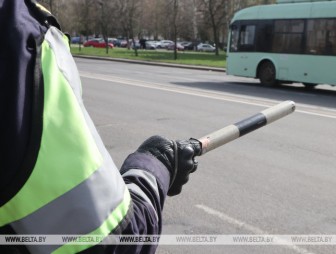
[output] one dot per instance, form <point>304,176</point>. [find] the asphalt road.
<point>278,180</point>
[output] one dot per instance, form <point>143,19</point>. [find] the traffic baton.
<point>234,131</point>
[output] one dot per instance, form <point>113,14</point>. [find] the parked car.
<point>164,43</point>
<point>123,43</point>
<point>136,45</point>
<point>188,45</point>
<point>114,41</point>
<point>76,40</point>
<point>97,43</point>
<point>157,43</point>
<point>151,45</point>
<point>205,47</point>
<point>178,46</point>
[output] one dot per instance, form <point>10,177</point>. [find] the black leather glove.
<point>178,157</point>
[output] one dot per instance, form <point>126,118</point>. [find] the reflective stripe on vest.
<point>75,188</point>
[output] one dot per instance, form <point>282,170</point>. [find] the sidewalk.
<point>204,68</point>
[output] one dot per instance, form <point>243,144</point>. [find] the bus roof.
<point>321,9</point>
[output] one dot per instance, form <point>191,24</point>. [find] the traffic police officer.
<point>56,177</point>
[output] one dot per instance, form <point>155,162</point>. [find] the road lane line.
<point>240,224</point>
<point>248,100</point>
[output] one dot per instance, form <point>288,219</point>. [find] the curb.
<point>194,67</point>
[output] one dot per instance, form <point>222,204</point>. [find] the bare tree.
<point>129,11</point>
<point>215,13</point>
<point>187,20</point>
<point>82,18</point>
<point>150,19</point>
<point>85,10</point>
<point>175,6</point>
<point>173,9</point>
<point>105,11</point>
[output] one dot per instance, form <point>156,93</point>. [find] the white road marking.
<point>243,225</point>
<point>249,100</point>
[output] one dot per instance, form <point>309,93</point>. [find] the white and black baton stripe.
<point>234,131</point>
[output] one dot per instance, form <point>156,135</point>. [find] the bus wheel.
<point>266,74</point>
<point>310,85</point>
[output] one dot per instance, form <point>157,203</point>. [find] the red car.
<point>97,43</point>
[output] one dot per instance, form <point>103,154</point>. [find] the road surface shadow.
<point>320,97</point>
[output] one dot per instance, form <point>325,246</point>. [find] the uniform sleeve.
<point>148,181</point>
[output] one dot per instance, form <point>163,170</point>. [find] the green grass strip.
<point>208,59</point>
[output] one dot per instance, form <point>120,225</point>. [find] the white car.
<point>164,43</point>
<point>205,47</point>
<point>151,45</point>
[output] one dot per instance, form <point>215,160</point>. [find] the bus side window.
<point>247,38</point>
<point>288,36</point>
<point>321,37</point>
<point>330,39</point>
<point>264,36</point>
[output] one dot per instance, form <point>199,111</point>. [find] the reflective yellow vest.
<point>74,187</point>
